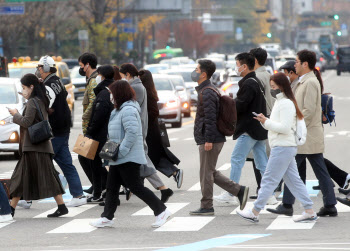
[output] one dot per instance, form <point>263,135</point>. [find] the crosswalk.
<point>79,223</point>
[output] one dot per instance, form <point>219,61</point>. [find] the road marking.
<point>195,187</point>
<point>188,123</point>
<point>174,139</point>
<point>74,226</point>
<point>329,136</point>
<point>4,224</point>
<point>250,204</point>
<point>189,139</point>
<point>213,243</point>
<point>285,222</point>
<point>309,185</point>
<point>73,211</point>
<point>185,224</point>
<point>224,167</point>
<point>6,175</point>
<point>341,208</point>
<point>172,207</point>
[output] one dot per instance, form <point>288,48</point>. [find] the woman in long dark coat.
<point>164,160</point>
<point>35,176</point>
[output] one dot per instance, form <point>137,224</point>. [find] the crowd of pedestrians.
<point>120,105</point>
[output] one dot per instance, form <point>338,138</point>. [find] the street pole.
<point>118,27</point>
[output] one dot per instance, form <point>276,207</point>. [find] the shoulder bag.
<point>110,151</point>
<point>40,131</point>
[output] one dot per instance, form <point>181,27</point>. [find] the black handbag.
<point>163,133</point>
<point>40,131</point>
<point>110,151</point>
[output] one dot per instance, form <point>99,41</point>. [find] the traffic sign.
<point>123,21</point>
<point>343,26</point>
<point>326,23</point>
<point>12,9</point>
<point>129,30</point>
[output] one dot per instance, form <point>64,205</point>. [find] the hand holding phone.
<point>20,93</point>
<point>255,114</point>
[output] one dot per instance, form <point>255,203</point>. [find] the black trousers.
<point>318,165</point>
<point>85,164</point>
<point>129,174</point>
<point>99,176</point>
<point>338,175</point>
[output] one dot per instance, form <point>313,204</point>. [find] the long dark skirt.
<point>35,177</point>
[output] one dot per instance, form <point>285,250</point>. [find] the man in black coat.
<point>98,128</point>
<point>60,121</point>
<point>249,133</point>
<point>210,140</point>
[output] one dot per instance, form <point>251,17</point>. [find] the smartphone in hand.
<point>20,93</point>
<point>255,114</point>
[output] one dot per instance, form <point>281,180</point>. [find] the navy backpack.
<point>328,114</point>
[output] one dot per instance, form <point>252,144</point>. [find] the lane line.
<point>195,187</point>
<point>172,207</point>
<point>184,224</point>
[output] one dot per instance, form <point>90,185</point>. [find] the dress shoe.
<point>344,191</point>
<point>203,211</point>
<point>243,196</point>
<point>281,210</point>
<point>345,201</point>
<point>324,211</point>
<point>166,194</point>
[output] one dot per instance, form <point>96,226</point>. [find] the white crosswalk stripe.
<point>73,211</point>
<point>172,207</point>
<point>74,227</point>
<point>180,224</point>
<point>286,222</point>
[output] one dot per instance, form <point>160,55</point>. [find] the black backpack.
<point>328,114</point>
<point>227,117</point>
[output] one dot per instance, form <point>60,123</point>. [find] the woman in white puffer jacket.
<point>281,126</point>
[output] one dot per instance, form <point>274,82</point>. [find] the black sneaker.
<point>344,191</point>
<point>62,210</point>
<point>243,196</point>
<point>94,200</point>
<point>89,190</point>
<point>316,187</point>
<point>281,210</point>
<point>128,194</point>
<point>166,194</point>
<point>178,177</point>
<point>324,211</point>
<point>203,211</point>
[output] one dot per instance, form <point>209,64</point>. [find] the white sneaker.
<point>162,218</point>
<point>248,215</point>
<point>5,218</point>
<point>305,217</point>
<point>76,202</point>
<point>63,180</point>
<point>102,222</point>
<point>272,200</point>
<point>24,204</point>
<point>226,198</point>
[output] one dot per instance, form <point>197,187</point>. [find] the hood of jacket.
<point>101,86</point>
<point>132,103</point>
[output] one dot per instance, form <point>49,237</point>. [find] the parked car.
<point>155,68</point>
<point>185,95</point>
<point>9,131</point>
<point>22,66</point>
<point>190,85</point>
<point>177,61</point>
<point>343,56</point>
<point>270,61</point>
<point>71,62</point>
<point>282,59</point>
<point>169,103</point>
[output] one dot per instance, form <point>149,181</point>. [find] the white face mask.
<point>111,98</point>
<point>237,70</point>
<point>98,79</point>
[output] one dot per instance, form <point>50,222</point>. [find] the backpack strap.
<point>208,87</point>
<point>259,84</point>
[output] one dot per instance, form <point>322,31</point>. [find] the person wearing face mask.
<point>130,73</point>
<point>289,70</point>
<point>98,127</point>
<point>281,164</point>
<point>60,121</point>
<point>88,63</point>
<point>210,141</point>
<point>249,134</point>
<point>35,177</point>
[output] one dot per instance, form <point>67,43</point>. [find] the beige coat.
<point>308,97</point>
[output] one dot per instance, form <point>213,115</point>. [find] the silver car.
<point>169,103</point>
<point>185,95</point>
<point>9,131</point>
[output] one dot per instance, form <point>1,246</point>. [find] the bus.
<point>167,53</point>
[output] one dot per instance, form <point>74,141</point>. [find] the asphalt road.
<point>31,230</point>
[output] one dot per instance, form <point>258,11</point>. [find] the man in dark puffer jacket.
<point>210,141</point>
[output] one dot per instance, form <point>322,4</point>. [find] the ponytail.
<point>319,78</point>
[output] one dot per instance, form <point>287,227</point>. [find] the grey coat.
<point>141,98</point>
<point>264,77</point>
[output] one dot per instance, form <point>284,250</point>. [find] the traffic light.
<point>336,17</point>
<point>269,35</point>
<point>167,47</point>
<point>339,33</point>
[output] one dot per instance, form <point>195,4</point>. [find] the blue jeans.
<point>244,145</point>
<point>64,161</point>
<point>4,202</point>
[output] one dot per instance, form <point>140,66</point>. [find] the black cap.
<point>289,65</point>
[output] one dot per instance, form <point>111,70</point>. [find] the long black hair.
<point>39,89</point>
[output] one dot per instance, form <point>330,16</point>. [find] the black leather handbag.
<point>163,133</point>
<point>110,151</point>
<point>40,131</point>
